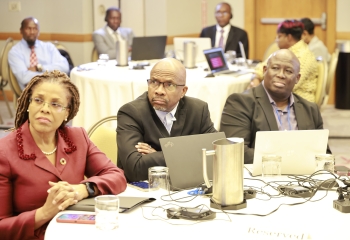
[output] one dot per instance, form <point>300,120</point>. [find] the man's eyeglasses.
<point>167,85</point>
<point>54,105</point>
<point>222,13</point>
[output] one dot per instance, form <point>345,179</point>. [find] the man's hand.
<point>144,148</point>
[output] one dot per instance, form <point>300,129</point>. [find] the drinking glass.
<point>102,59</point>
<point>324,162</point>
<point>158,179</point>
<point>271,165</point>
<point>107,212</point>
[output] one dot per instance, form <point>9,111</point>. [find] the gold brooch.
<point>63,161</point>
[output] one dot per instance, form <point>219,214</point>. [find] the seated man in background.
<point>315,44</point>
<point>289,37</point>
<point>163,111</point>
<point>271,106</point>
<point>223,34</point>
<point>31,57</point>
<point>105,38</point>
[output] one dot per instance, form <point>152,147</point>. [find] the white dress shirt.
<point>218,35</point>
<point>167,118</point>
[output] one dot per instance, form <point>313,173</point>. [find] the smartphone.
<point>142,186</point>
<point>76,218</point>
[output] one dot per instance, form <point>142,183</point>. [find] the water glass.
<point>324,162</point>
<point>230,56</point>
<point>158,179</point>
<point>102,59</point>
<point>107,212</point>
<point>271,165</point>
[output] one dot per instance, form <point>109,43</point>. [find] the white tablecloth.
<point>104,89</point>
<point>311,220</point>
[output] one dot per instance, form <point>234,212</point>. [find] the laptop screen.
<point>148,48</point>
<point>216,60</point>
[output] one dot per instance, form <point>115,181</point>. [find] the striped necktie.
<point>33,59</point>
<point>221,40</point>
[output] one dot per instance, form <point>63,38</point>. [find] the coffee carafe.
<point>190,51</point>
<point>122,53</point>
<point>227,173</point>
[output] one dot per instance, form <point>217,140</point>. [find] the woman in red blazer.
<point>43,162</point>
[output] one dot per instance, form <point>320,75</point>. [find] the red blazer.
<point>24,182</point>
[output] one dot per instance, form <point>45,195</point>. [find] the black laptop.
<point>147,48</point>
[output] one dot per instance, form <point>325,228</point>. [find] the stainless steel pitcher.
<point>122,53</point>
<point>227,173</point>
<point>190,51</point>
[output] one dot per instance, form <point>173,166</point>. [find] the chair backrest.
<point>14,84</point>
<point>331,72</point>
<point>105,137</point>
<point>63,51</point>
<point>59,45</point>
<point>4,73</point>
<point>273,47</point>
<point>94,55</point>
<point>321,81</point>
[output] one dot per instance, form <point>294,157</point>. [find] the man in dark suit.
<point>271,106</point>
<point>223,34</point>
<point>163,111</point>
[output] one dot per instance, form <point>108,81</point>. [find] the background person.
<point>223,34</point>
<point>43,163</point>
<point>163,111</point>
<point>271,106</point>
<point>315,44</point>
<point>289,37</point>
<point>105,38</point>
<point>30,56</point>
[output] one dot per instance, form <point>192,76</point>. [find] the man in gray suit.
<point>271,106</point>
<point>105,38</point>
<point>163,111</point>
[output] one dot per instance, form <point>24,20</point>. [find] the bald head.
<point>171,66</point>
<point>287,55</point>
<point>25,22</point>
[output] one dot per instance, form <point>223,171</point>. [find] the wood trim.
<point>249,25</point>
<point>61,37</point>
<point>9,95</point>
<point>170,39</point>
<point>343,35</point>
<point>331,24</point>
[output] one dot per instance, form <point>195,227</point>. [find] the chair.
<point>105,137</point>
<point>4,73</point>
<point>273,47</point>
<point>63,51</point>
<point>94,55</point>
<point>321,81</point>
<point>331,75</point>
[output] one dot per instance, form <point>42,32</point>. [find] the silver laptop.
<point>297,148</point>
<point>183,157</point>
<point>201,44</point>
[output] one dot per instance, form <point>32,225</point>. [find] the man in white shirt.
<point>315,44</point>
<point>105,38</point>
<point>223,34</point>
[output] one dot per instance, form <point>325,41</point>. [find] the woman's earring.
<point>27,110</point>
<point>66,119</point>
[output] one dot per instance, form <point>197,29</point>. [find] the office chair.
<point>104,136</point>
<point>4,73</point>
<point>63,51</point>
<point>321,81</point>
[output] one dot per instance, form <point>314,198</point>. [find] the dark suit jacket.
<point>246,113</point>
<point>24,183</point>
<point>138,122</point>
<point>235,35</point>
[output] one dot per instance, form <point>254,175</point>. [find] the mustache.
<point>158,98</point>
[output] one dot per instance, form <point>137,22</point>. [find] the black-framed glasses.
<point>54,105</point>
<point>167,85</point>
<point>218,13</point>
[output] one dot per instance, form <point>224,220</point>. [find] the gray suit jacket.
<point>104,43</point>
<point>138,122</point>
<point>246,113</point>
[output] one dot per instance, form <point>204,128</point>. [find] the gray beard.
<point>159,109</point>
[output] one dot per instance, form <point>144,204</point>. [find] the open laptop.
<point>147,48</point>
<point>201,44</point>
<point>297,148</point>
<point>183,157</point>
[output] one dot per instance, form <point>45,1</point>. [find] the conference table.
<point>104,89</point>
<point>301,219</point>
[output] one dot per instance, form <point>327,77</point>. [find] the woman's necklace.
<point>49,153</point>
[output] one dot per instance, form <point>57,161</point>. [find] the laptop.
<point>183,157</point>
<point>201,44</point>
<point>147,48</point>
<point>297,148</point>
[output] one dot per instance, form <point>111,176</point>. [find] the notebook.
<point>201,44</point>
<point>183,157</point>
<point>297,148</point>
<point>147,48</point>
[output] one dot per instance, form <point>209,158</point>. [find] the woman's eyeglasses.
<point>54,105</point>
